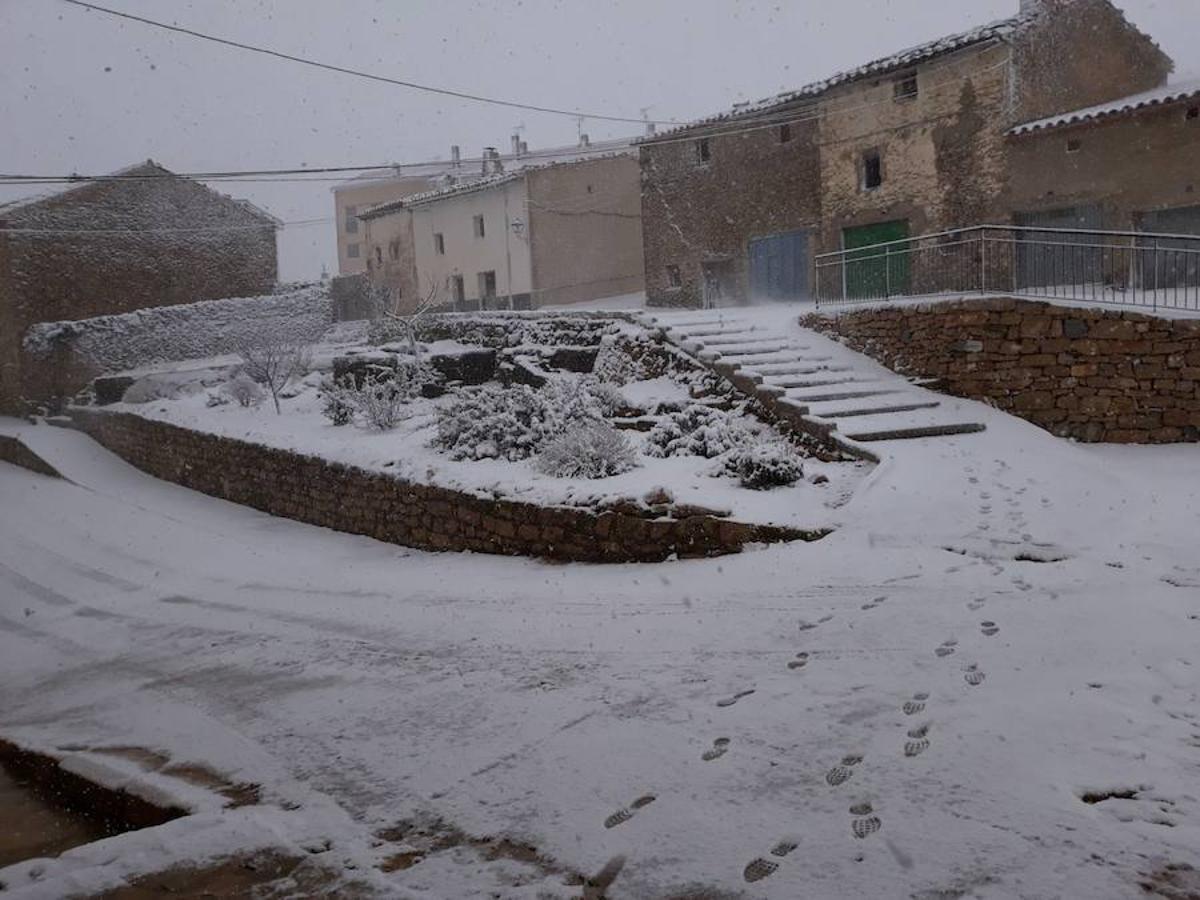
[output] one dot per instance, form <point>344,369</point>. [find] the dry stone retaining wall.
<point>1091,374</point>
<point>345,498</point>
<point>13,451</point>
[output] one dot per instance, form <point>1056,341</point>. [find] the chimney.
<point>487,158</point>
<point>524,148</point>
<point>584,141</point>
<point>516,145</point>
<point>455,157</point>
<point>650,129</point>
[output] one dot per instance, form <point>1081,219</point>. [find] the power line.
<point>447,92</point>
<point>300,223</point>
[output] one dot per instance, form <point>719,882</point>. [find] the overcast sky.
<point>84,92</point>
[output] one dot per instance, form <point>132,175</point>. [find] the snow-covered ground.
<point>1004,623</point>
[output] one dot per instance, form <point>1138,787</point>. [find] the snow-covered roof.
<point>486,182</point>
<point>147,168</point>
<point>992,31</point>
<point>511,163</point>
<point>1168,93</point>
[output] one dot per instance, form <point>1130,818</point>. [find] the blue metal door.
<point>779,266</point>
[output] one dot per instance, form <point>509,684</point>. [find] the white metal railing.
<point>1127,268</point>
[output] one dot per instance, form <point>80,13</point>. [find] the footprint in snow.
<point>761,867</point>
<point>729,701</point>
<point>918,741</point>
<point>973,676</point>
<point>975,604</point>
<point>874,603</point>
<point>799,662</point>
<point>865,822</point>
<point>624,815</point>
<point>719,748</point>
<point>841,773</point>
<point>947,648</point>
<point>989,628</point>
<point>916,704</point>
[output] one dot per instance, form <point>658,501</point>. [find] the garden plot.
<point>629,436</point>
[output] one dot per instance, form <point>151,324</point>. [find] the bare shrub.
<point>587,450</point>
<point>380,401</point>
<point>273,361</point>
<point>337,403</point>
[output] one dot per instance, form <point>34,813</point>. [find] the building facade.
<point>735,206</point>
<point>547,234</point>
<point>144,237</point>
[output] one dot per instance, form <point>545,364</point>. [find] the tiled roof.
<point>1168,93</point>
<point>913,55</point>
<point>511,162</point>
<point>535,161</point>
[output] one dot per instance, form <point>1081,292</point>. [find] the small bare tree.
<point>274,361</point>
<point>410,322</point>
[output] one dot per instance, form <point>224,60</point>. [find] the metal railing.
<point>1126,268</point>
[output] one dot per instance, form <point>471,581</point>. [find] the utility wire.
<point>447,92</point>
<point>301,223</point>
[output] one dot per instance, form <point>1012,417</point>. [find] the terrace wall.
<point>1091,374</point>
<point>345,498</point>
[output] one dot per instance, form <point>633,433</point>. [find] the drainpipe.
<point>507,248</point>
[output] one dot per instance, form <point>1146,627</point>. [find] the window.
<point>905,86</point>
<point>458,290</point>
<point>394,250</point>
<point>872,170</point>
<point>480,231</point>
<point>439,243</point>
<point>351,221</point>
<point>1074,145</point>
<point>379,256</point>
<point>703,151</point>
<point>1193,112</point>
<point>352,251</point>
<point>785,133</point>
<point>674,278</point>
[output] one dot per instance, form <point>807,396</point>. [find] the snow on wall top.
<point>997,30</point>
<point>1168,93</point>
<point>186,331</point>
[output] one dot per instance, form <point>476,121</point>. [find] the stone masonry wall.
<point>13,451</point>
<point>1091,374</point>
<point>319,492</point>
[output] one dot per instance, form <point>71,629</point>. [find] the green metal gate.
<point>872,270</point>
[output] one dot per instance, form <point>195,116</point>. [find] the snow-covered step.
<point>820,395</point>
<point>812,379</point>
<point>841,409</point>
<point>796,368</point>
<point>752,349</point>
<point>742,337</point>
<point>906,425</point>
<point>753,362</point>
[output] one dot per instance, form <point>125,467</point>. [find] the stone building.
<point>545,234</point>
<point>735,206</point>
<point>140,238</point>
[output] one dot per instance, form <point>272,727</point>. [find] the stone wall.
<point>13,451</point>
<point>61,357</point>
<point>345,498</point>
<point>1091,374</point>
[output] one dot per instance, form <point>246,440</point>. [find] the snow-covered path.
<point>371,684</point>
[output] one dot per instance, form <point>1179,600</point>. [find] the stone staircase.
<point>810,382</point>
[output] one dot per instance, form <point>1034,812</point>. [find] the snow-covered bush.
<point>765,464</point>
<point>497,423</point>
<point>413,375</point>
<point>588,449</point>
<point>379,401</point>
<point>337,404</point>
<point>609,400</point>
<point>244,390</point>
<point>697,430</point>
<point>615,366</point>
